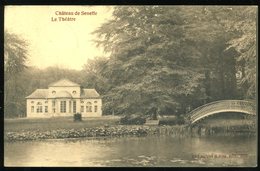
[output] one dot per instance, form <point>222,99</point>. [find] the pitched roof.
<point>64,83</point>
<point>90,93</point>
<point>39,93</point>
<point>63,94</point>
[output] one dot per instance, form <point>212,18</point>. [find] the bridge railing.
<point>237,105</point>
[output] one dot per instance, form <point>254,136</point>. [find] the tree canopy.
<point>163,59</point>
<point>169,58</point>
<point>15,56</point>
<point>15,53</point>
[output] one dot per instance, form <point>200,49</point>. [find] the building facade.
<point>64,98</point>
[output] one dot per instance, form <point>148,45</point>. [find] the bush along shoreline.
<point>104,131</point>
<point>125,130</point>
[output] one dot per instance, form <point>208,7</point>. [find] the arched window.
<point>81,108</point>
<point>89,107</point>
<point>46,109</point>
<point>39,107</point>
<point>32,109</point>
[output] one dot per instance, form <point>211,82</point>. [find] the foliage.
<point>133,119</point>
<point>171,120</point>
<point>77,117</point>
<point>91,74</point>
<point>28,81</point>
<point>168,58</point>
<point>163,60</point>
<point>15,54</point>
<point>147,66</point>
<point>245,45</point>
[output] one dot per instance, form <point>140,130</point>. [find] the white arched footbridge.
<point>237,106</point>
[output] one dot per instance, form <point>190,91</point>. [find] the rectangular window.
<point>95,108</point>
<point>53,103</point>
<point>63,107</point>
<point>46,109</point>
<point>88,108</point>
<point>81,108</point>
<point>70,107</point>
<point>32,109</point>
<point>39,109</point>
<point>54,110</point>
<point>74,106</point>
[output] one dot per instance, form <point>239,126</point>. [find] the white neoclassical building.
<point>64,98</point>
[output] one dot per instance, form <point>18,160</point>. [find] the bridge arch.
<point>237,106</point>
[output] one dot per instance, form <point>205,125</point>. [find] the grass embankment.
<point>49,124</point>
<point>65,127</point>
<point>56,127</point>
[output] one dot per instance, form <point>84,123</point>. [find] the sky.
<point>66,44</point>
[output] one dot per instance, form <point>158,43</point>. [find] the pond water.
<point>165,151</point>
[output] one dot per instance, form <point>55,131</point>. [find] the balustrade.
<point>222,106</point>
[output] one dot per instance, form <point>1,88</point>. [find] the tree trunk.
<point>207,85</point>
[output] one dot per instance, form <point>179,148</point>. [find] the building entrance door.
<point>74,107</point>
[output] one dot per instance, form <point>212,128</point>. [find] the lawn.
<point>45,124</point>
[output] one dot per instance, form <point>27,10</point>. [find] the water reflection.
<point>134,151</point>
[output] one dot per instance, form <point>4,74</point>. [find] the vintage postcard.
<point>130,86</point>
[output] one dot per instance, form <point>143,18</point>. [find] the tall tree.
<point>15,56</point>
<point>169,58</point>
<point>206,28</point>
<point>245,22</point>
<point>152,64</point>
<point>92,77</point>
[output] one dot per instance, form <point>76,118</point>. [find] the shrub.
<point>133,119</point>
<point>77,117</point>
<point>171,120</point>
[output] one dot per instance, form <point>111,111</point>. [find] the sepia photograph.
<point>130,86</point>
